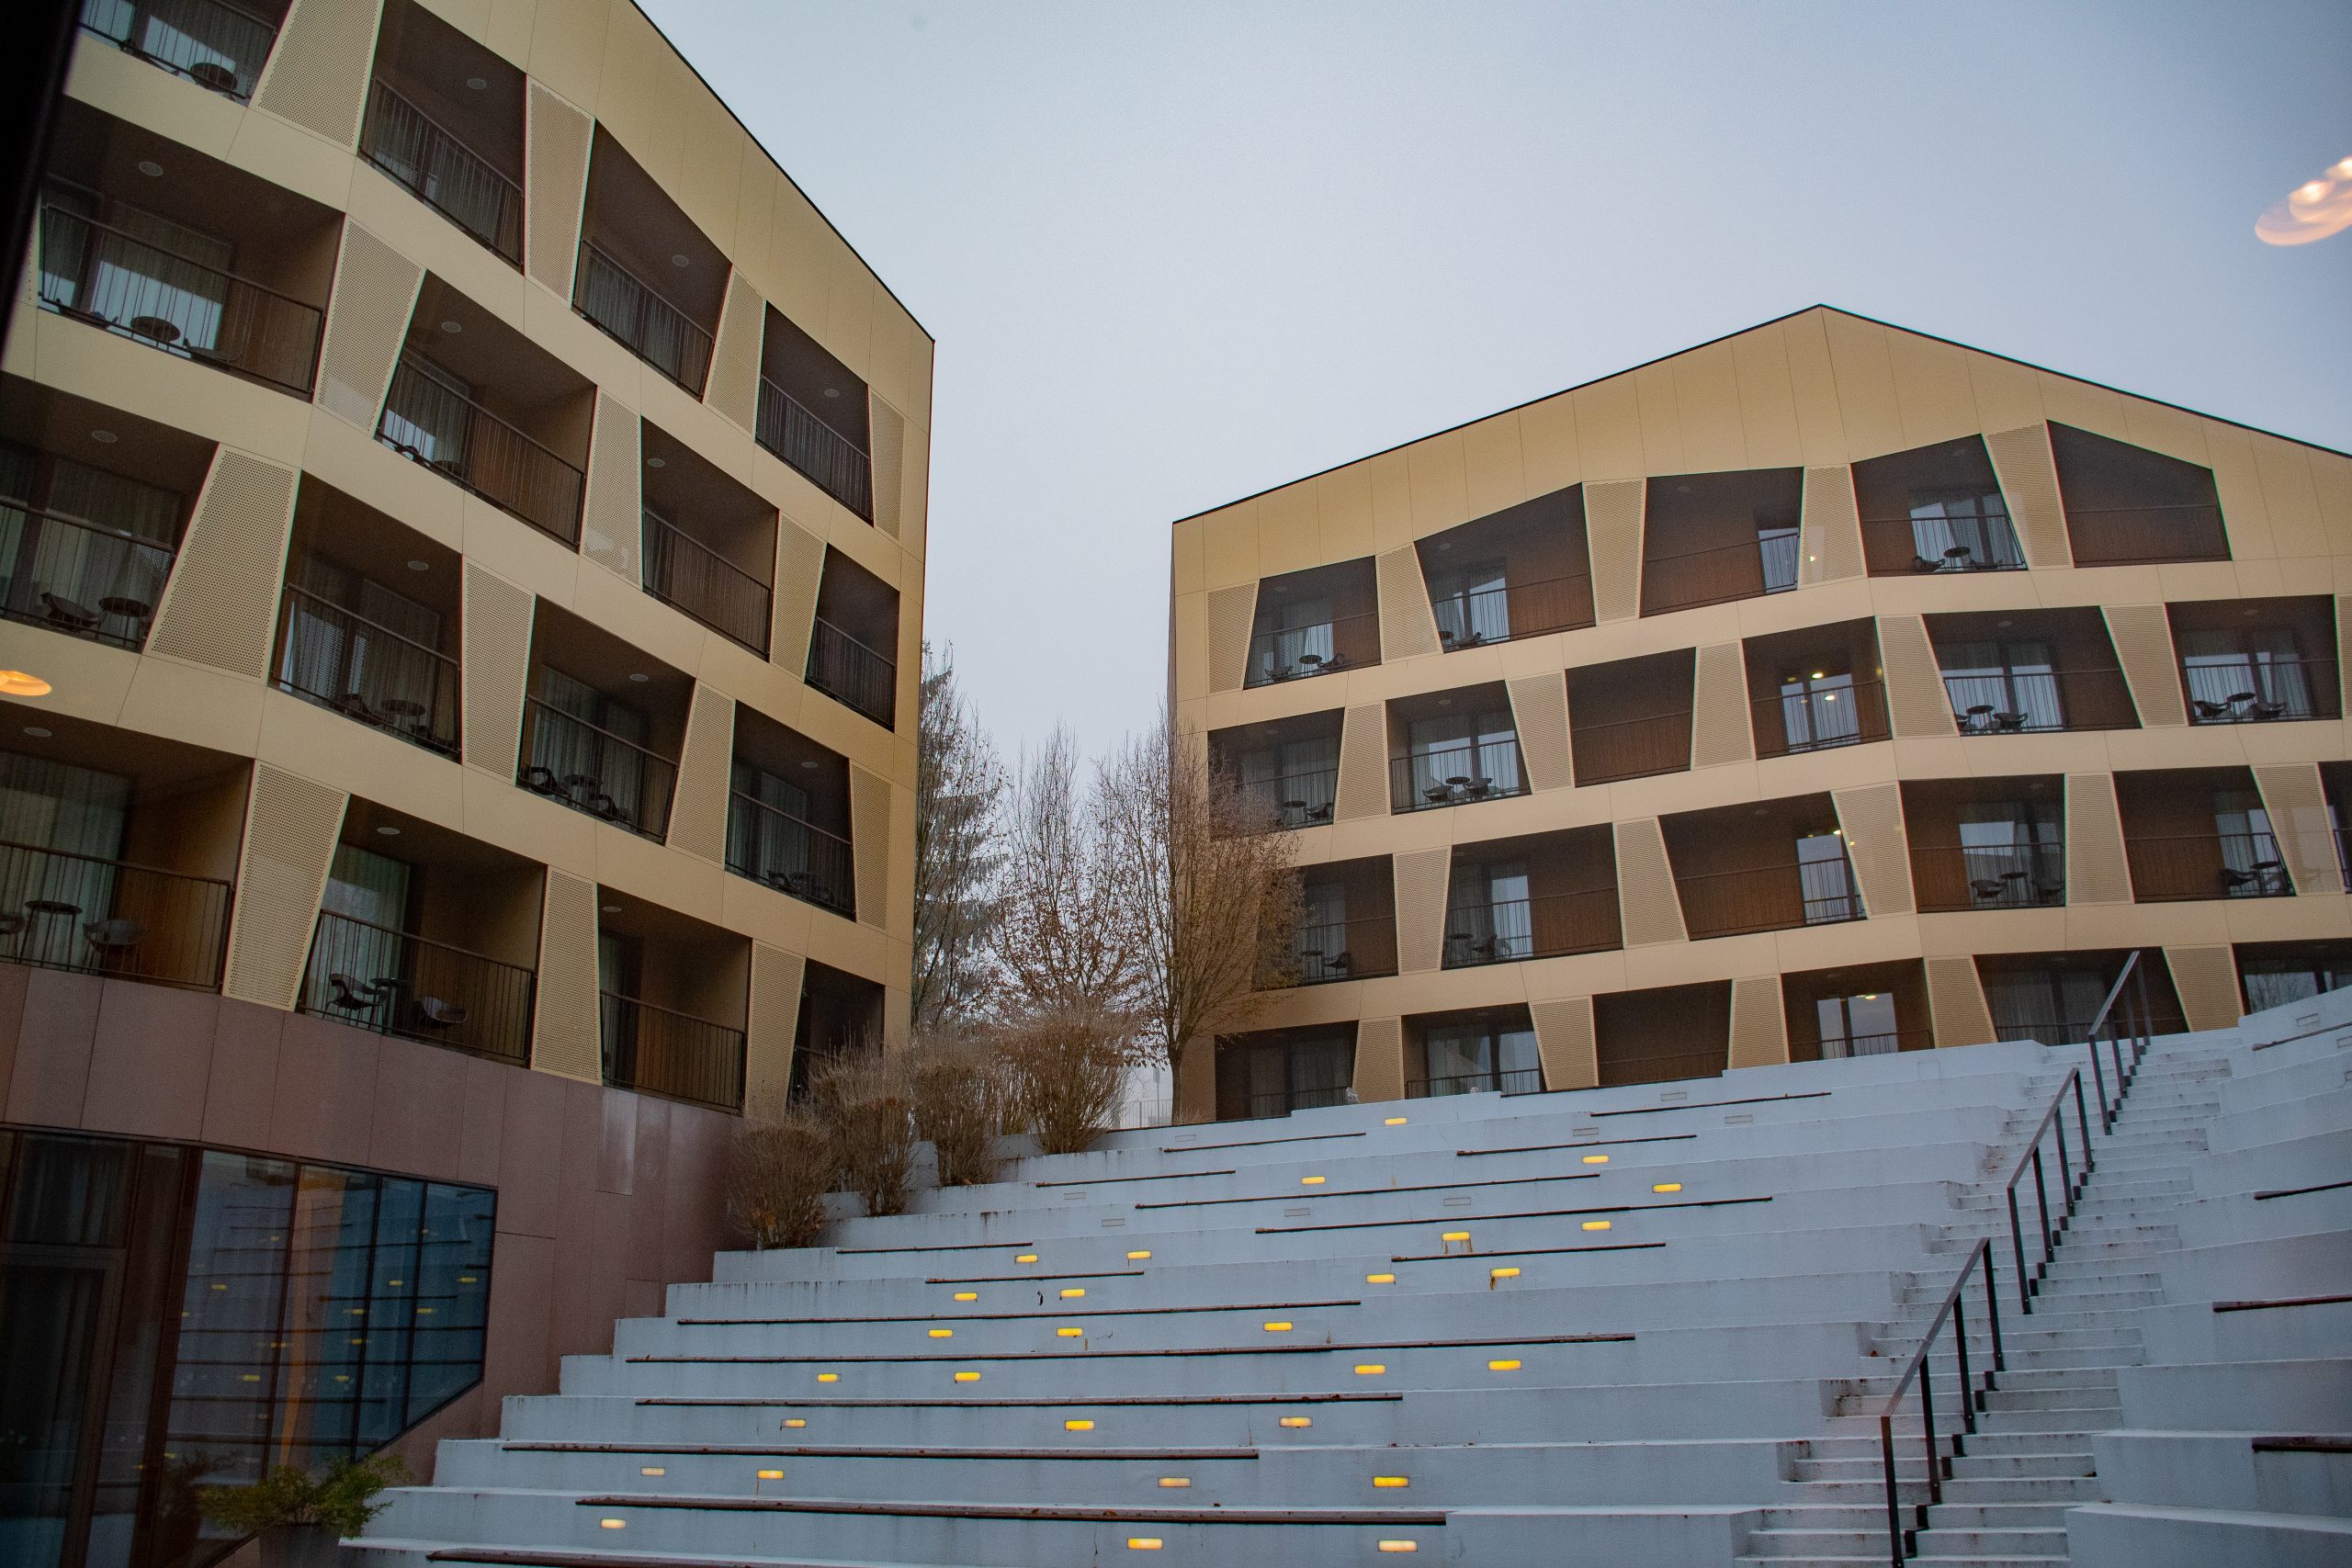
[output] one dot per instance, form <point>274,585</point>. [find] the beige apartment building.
<point>1823,690</point>
<point>467,509</point>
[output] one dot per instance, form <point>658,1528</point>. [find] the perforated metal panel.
<point>1563,1042</point>
<point>1538,706</point>
<point>497,663</point>
<point>1759,1029</point>
<point>1407,626</point>
<point>2097,872</point>
<point>775,1015</point>
<point>1871,819</point>
<point>612,518</point>
<point>2143,639</point>
<point>2207,981</point>
<point>1613,520</point>
<point>2028,476</point>
<point>889,461</point>
<point>733,389</point>
<point>1230,613</point>
<point>1380,1059</point>
<point>318,69</point>
<point>869,833</point>
<point>2297,805</point>
<point>698,814</point>
<point>567,1029</point>
<point>1646,901</point>
<point>555,174</point>
<point>367,315</point>
<point>799,570</point>
<point>1420,908</point>
<point>220,606</point>
<point>291,824</point>
<point>1719,723</point>
<point>1829,530</point>
<point>1956,1010</point>
<point>1363,764</point>
<point>1918,703</point>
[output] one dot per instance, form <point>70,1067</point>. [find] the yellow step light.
<point>1077,1426</point>
<point>1666,1187</point>
<point>1596,1225</point>
<point>1394,1122</point>
<point>1143,1543</point>
<point>1138,1257</point>
<point>1175,1482</point>
<point>1390,1483</point>
<point>651,1470</point>
<point>1502,1273</point>
<point>1296,1422</point>
<point>943,1334</point>
<point>1454,1236</point>
<point>611,1524</point>
<point>967,1377</point>
<point>1596,1159</point>
<point>1026,1257</point>
<point>968,1295</point>
<point>829,1377</point>
<point>794,1422</point>
<point>1502,1366</point>
<point>1070,1333</point>
<point>1380,1279</point>
<point>770,1475</point>
<point>1400,1546</point>
<point>1371,1368</point>
<point>1280,1326</point>
<point>1072,1293</point>
<point>1310,1181</point>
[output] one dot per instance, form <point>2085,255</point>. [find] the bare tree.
<point>959,795</point>
<point>1061,939</point>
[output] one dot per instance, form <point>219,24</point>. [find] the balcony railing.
<point>344,661</point>
<point>1719,574</point>
<point>1894,545</point>
<point>1514,610</point>
<point>1820,720</point>
<point>430,421</point>
<point>846,670</point>
<point>1298,653</point>
<point>62,910</point>
<point>79,577</point>
<point>657,1051</point>
<point>1886,1043</point>
<point>815,450</point>
<point>2038,701</point>
<point>116,280</point>
<point>1544,926</point>
<point>2253,690</point>
<point>1518,1081</point>
<point>1344,949</point>
<point>1989,876</point>
<point>2206,865</point>
<point>2119,536</point>
<point>657,331</point>
<point>1630,748</point>
<point>419,152</point>
<point>1768,898</point>
<point>395,982</point>
<point>1458,775</point>
<point>1281,1103</point>
<point>684,572</point>
<point>795,857</point>
<point>1294,800</point>
<point>591,770</point>
<point>211,44</point>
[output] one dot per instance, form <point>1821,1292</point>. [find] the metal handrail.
<point>1768,553</point>
<point>1265,667</point>
<point>1305,799</point>
<point>362,696</point>
<point>1501,1080</point>
<point>1599,754</point>
<point>2176,867</point>
<point>416,162</point>
<point>123,572</point>
<point>1865,709</point>
<point>647,812</point>
<point>1471,928</point>
<point>1327,951</point>
<point>180,19</point>
<point>2030,1274</point>
<point>2061,690</point>
<point>1414,785</point>
<point>1560,620</point>
<point>2216,695</point>
<point>712,589</point>
<point>491,997</point>
<point>659,1050</point>
<point>61,910</point>
<point>827,876</point>
<point>497,477</point>
<point>814,450</point>
<point>844,668</point>
<point>649,325</point>
<point>2140,1017</point>
<point>1971,1397</point>
<point>1814,908</point>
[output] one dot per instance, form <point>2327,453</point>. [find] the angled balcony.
<point>445,122</point>
<point>2126,505</point>
<point>709,547</point>
<point>1454,748</point>
<point>647,276</point>
<point>2054,998</point>
<point>674,998</point>
<point>602,725</point>
<point>1662,1035</point>
<point>1347,927</point>
<point>1816,689</point>
<point>1287,772</point>
<point>1519,573</point>
<point>1630,718</point>
<point>1473,1051</point>
<point>839,1018</point>
<point>813,415</point>
<point>2258,660</point>
<point>1935,509</point>
<point>2196,833</point>
<point>1539,896</point>
<point>1272,1072</point>
<point>853,646</point>
<point>2031,671</point>
<point>1713,538</point>
<point>1776,865</point>
<point>787,815</point>
<point>1986,843</point>
<point>2274,973</point>
<point>1862,1010</point>
<point>219,47</point>
<point>1311,622</point>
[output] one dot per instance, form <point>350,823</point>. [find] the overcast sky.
<point>1177,253</point>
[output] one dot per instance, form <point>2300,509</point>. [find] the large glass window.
<point>1828,880</point>
<point>1472,1055</point>
<point>1962,529</point>
<point>1472,604</point>
<point>2255,673</point>
<point>1488,915</point>
<point>2003,687</point>
<point>1861,1025</point>
<point>1468,757</point>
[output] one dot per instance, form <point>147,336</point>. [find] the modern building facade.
<point>1824,690</point>
<point>467,509</point>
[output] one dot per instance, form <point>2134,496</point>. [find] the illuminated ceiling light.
<point>104,437</point>
<point>151,168</point>
<point>476,84</point>
<point>657,462</point>
<point>18,683</point>
<point>2312,211</point>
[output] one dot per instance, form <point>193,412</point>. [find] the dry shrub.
<point>1068,1067</point>
<point>960,1090</point>
<point>863,1099</point>
<point>779,1171</point>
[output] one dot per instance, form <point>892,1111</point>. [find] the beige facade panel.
<point>2028,476</point>
<point>1719,728</point>
<point>799,571</point>
<point>1649,906</point>
<point>1407,626</point>
<point>1564,1043</point>
<point>1759,1029</point>
<point>497,640</point>
<point>1612,521</point>
<point>1956,1010</point>
<point>1380,1059</point>
<point>2206,978</point>
<point>612,516</point>
<point>774,1017</point>
<point>698,810</point>
<point>1421,876</point>
<point>1362,789</point>
<point>2143,639</point>
<point>1830,529</point>
<point>733,389</point>
<point>889,436</point>
<point>1230,613</point>
<point>869,832</point>
<point>220,606</point>
<point>2344,640</point>
<point>367,315</point>
<point>1872,819</point>
<point>1539,707</point>
<point>567,1027</point>
<point>320,66</point>
<point>2097,872</point>
<point>1916,701</point>
<point>555,183</point>
<point>2297,805</point>
<point>292,825</point>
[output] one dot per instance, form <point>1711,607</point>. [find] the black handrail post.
<point>2017,1240</point>
<point>1928,1425</point>
<point>1967,1383</point>
<point>1894,1502</point>
<point>2083,1123</point>
<point>2098,1075</point>
<point>2041,1196</point>
<point>1993,1316</point>
<point>2065,1166</point>
<point>2147,1018</point>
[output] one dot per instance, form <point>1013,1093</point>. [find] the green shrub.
<point>344,1498</point>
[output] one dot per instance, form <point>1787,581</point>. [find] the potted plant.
<point>299,1517</point>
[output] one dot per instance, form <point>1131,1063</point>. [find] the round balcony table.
<point>1457,780</point>
<point>1311,659</point>
<point>1977,713</point>
<point>406,707</point>
<point>128,609</point>
<point>1959,555</point>
<point>213,75</point>
<point>52,907</point>
<point>156,327</point>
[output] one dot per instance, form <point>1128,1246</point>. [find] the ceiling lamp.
<point>17,683</point>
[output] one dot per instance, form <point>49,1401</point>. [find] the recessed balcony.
<point>1453,748</point>
<point>1475,1051</point>
<point>1631,718</point>
<point>1712,538</point>
<point>814,415</point>
<point>2276,974</point>
<point>840,1019</point>
<point>1935,509</point>
<point>1663,1034</point>
<point>1816,689</point>
<point>1864,1009</point>
<point>646,275</point>
<point>220,48</point>
<point>787,815</point>
<point>2258,660</point>
<point>602,724</point>
<point>2054,998</point>
<point>1776,865</point>
<point>2195,833</point>
<point>1272,1072</point>
<point>853,644</point>
<point>2031,671</point>
<point>1993,844</point>
<point>445,122</point>
<point>1519,573</point>
<point>1314,623</point>
<point>674,995</point>
<point>1540,895</point>
<point>1347,927</point>
<point>1287,772</point>
<point>2126,505</point>
<point>709,546</point>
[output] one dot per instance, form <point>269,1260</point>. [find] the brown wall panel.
<point>220,607</point>
<point>1829,530</point>
<point>1649,907</point>
<point>869,831</point>
<point>1407,626</point>
<point>2028,476</point>
<point>775,1015</point>
<point>567,1030</point>
<point>367,315</point>
<point>734,387</point>
<point>2303,824</point>
<point>1956,1005</point>
<point>698,813</point>
<point>612,518</point>
<point>799,571</point>
<point>1364,764</point>
<point>2096,870</point>
<point>1380,1059</point>
<point>1918,703</point>
<point>1421,877</point>
<point>318,68</point>
<point>1720,731</point>
<point>1876,841</point>
<point>2143,639</point>
<point>2206,980</point>
<point>554,183</point>
<point>1759,1029</point>
<point>1539,706</point>
<point>1612,521</point>
<point>1230,613</point>
<point>291,824</point>
<point>1563,1042</point>
<point>497,638</point>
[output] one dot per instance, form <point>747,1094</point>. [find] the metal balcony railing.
<point>2206,865</point>
<point>413,148</point>
<point>795,857</point>
<point>1894,545</point>
<point>2119,535</point>
<point>1630,748</point>
<point>1884,1044</point>
<point>1768,898</point>
<point>2030,702</point>
<point>591,770</point>
<point>684,572</point>
<point>116,280</point>
<point>655,1050</point>
<point>1989,876</point>
<point>1298,653</point>
<point>1515,610</point>
<point>1547,925</point>
<point>628,308</point>
<point>847,670</point>
<point>430,421</point>
<point>342,660</point>
<point>1343,949</point>
<point>80,576</point>
<point>1281,1103</point>
<point>1294,800</point>
<point>814,450</point>
<point>214,45</point>
<point>2257,691</point>
<point>396,982</point>
<point>1820,720</point>
<point>62,910</point>
<point>1743,568</point>
<point>1456,775</point>
<point>1517,1080</point>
